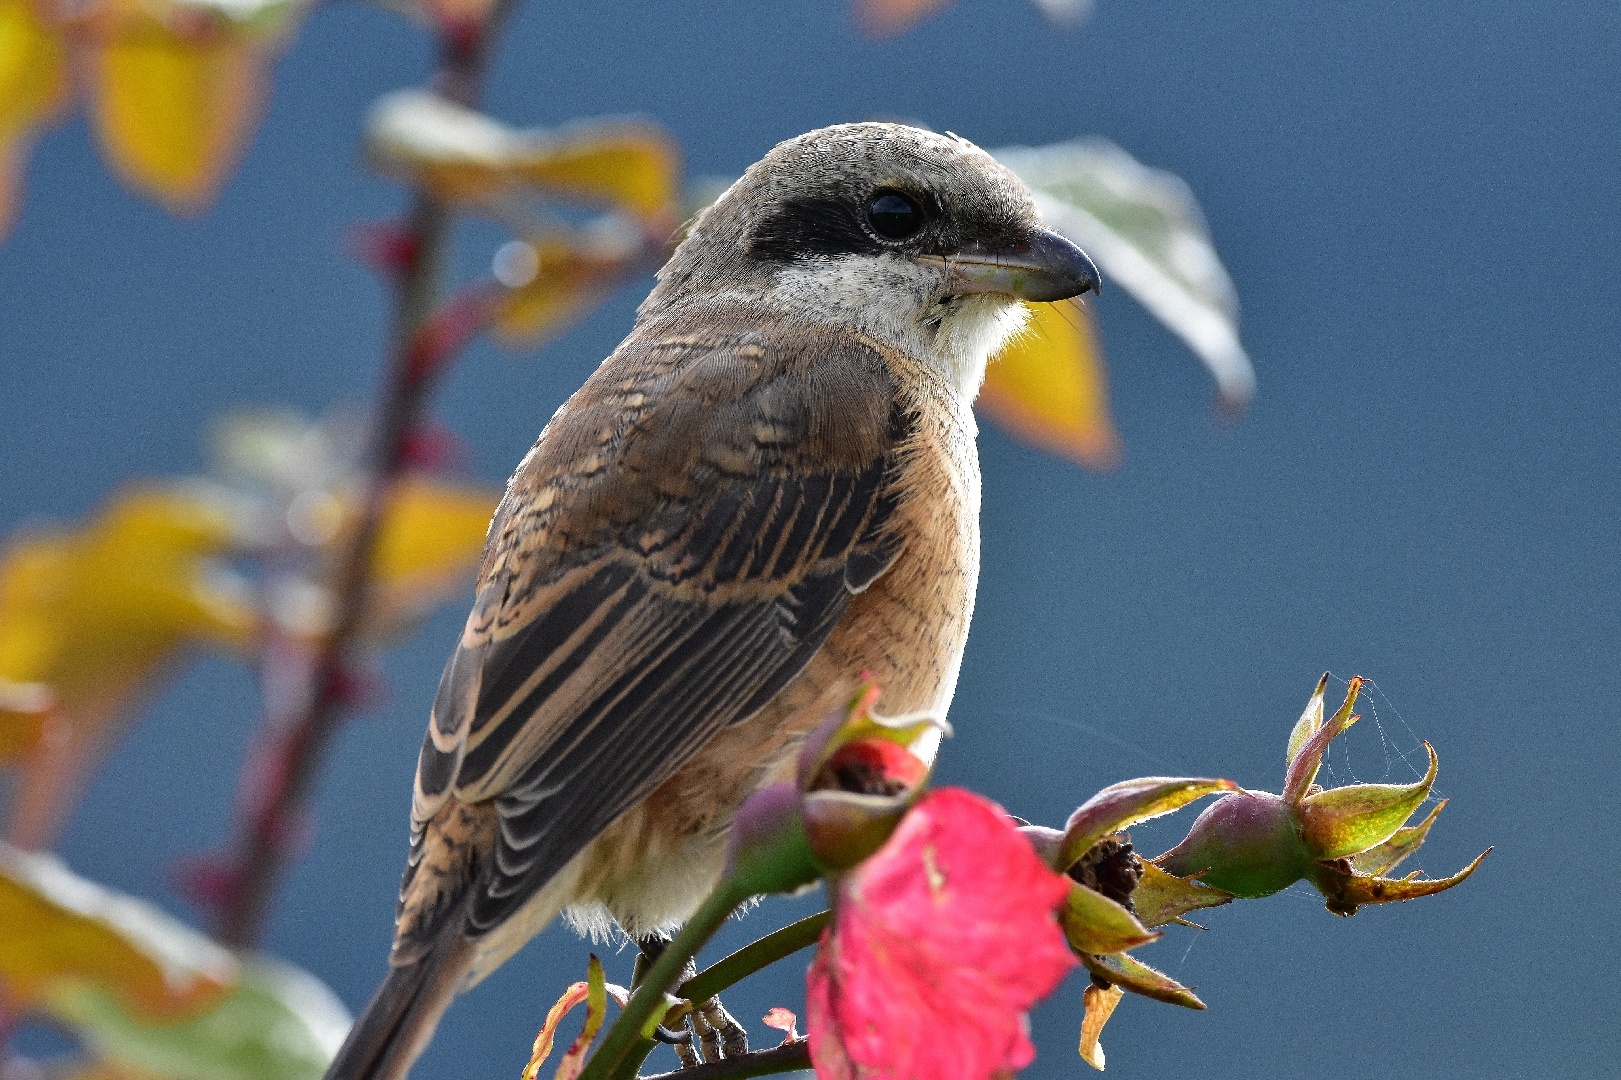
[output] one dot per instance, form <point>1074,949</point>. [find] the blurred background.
<point>1418,206</point>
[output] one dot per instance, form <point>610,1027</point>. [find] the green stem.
<point>627,1044</point>
<point>754,956</point>
<point>789,1057</point>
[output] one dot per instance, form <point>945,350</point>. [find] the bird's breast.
<point>906,630</point>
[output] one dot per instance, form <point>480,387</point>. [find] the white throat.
<point>899,302</point>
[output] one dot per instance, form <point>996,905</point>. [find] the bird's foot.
<point>719,1034</point>
<point>708,1032</point>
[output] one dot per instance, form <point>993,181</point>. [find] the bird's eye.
<point>894,216</point>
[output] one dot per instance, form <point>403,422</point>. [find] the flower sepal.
<point>1255,843</point>
<point>858,775</point>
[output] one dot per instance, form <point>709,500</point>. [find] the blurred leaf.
<point>278,1023</point>
<point>25,708</point>
<point>886,18</point>
<point>1145,229</point>
<point>429,547</point>
<point>59,931</point>
<point>457,18</point>
<point>34,90</point>
<point>553,281</point>
<point>464,156</point>
<point>149,995</point>
<point>1161,898</point>
<point>176,89</point>
<point>1048,386</point>
<point>635,165</point>
<point>96,615</point>
<point>87,1069</point>
<point>1066,13</point>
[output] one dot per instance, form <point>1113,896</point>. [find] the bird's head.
<point>919,239</point>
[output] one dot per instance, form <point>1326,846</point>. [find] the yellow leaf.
<point>886,18</point>
<point>25,709</point>
<point>429,548</point>
<point>635,165</point>
<point>464,156</point>
<point>1048,387</point>
<point>95,616</point>
<point>557,283</point>
<point>34,89</point>
<point>58,931</point>
<point>175,92</point>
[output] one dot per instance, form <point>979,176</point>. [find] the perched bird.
<point>769,488</point>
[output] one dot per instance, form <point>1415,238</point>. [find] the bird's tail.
<point>401,1016</point>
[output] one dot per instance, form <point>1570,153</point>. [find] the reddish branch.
<point>277,780</point>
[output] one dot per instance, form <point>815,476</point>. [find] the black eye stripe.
<point>801,228</point>
<point>830,226</point>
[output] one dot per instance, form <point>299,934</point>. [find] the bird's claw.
<point>720,1035</point>
<point>707,1032</point>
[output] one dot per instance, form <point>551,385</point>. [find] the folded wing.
<point>681,541</point>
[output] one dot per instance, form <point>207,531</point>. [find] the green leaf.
<point>1145,229</point>
<point>277,1024</point>
<point>1095,924</point>
<point>1347,820</point>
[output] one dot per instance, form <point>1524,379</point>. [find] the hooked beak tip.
<point>1044,268</point>
<point>1065,270</point>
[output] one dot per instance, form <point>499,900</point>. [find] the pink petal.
<point>941,943</point>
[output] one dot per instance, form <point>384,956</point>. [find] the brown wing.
<point>677,546</point>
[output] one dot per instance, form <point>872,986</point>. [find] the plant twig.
<point>627,1044</point>
<point>754,956</point>
<point>791,1056</point>
<point>273,805</point>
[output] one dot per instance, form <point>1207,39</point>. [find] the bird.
<point>767,493</point>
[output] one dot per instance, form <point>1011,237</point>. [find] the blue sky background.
<point>1418,203</point>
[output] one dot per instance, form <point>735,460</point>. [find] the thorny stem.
<point>754,956</point>
<point>791,1056</point>
<point>265,843</point>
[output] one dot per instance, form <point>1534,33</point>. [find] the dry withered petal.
<point>1345,890</point>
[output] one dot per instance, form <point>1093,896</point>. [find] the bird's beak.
<point>1042,268</point>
